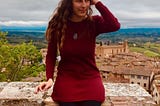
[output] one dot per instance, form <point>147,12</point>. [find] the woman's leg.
<point>90,103</point>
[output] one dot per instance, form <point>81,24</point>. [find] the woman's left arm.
<point>107,22</point>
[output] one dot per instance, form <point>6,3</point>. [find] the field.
<point>148,49</point>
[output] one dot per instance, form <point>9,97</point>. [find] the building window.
<point>132,76</point>
<point>145,85</point>
<point>132,82</point>
<point>138,77</point>
<point>138,83</point>
<point>156,102</point>
<point>145,77</point>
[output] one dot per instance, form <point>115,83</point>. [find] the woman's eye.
<point>82,0</point>
<point>78,0</point>
<point>87,0</point>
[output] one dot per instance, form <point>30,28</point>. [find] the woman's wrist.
<point>50,80</point>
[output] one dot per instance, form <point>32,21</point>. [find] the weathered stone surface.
<point>49,102</point>
<point>2,85</point>
<point>20,90</point>
<point>22,94</point>
<point>124,89</point>
<point>19,102</point>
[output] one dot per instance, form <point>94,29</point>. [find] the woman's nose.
<point>84,3</point>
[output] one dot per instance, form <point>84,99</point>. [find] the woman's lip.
<point>82,11</point>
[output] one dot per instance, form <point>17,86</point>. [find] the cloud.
<point>23,23</point>
<point>26,10</point>
<point>30,12</point>
<point>139,13</point>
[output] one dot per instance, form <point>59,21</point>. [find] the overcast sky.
<point>131,13</point>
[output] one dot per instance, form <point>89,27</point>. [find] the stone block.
<point>22,94</point>
<point>2,85</point>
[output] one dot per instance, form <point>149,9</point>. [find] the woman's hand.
<point>44,86</point>
<point>94,2</point>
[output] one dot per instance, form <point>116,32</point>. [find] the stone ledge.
<point>117,94</point>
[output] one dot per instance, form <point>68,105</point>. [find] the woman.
<point>72,32</point>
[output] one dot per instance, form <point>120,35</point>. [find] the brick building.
<point>106,50</point>
<point>130,68</point>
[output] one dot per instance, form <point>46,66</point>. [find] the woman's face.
<point>80,8</point>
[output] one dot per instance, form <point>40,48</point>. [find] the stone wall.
<point>22,94</point>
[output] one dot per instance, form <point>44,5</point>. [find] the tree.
<point>25,56</point>
<point>20,61</point>
<point>3,39</point>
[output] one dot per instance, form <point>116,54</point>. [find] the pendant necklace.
<point>75,36</point>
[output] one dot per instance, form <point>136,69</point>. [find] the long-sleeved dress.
<point>78,78</point>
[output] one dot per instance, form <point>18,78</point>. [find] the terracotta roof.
<point>128,63</point>
<point>139,70</point>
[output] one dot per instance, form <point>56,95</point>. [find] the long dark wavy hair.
<point>57,24</point>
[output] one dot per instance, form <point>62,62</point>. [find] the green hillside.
<point>148,49</point>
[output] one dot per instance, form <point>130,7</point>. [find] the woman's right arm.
<point>51,57</point>
<point>50,65</point>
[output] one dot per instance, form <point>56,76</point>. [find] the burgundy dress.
<point>78,78</point>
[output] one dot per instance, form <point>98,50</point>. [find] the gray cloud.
<point>26,10</point>
<point>130,13</point>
